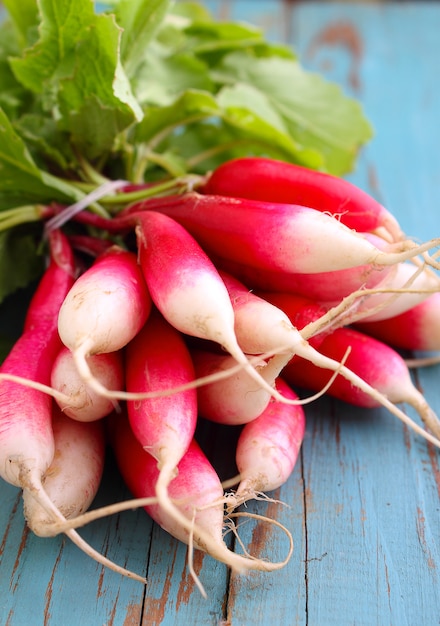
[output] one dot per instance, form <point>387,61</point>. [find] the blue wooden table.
<point>363,503</point>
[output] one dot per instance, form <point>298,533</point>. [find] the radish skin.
<point>158,358</point>
<point>78,400</point>
<point>300,310</point>
<point>26,437</point>
<point>237,399</point>
<point>323,286</point>
<point>416,285</point>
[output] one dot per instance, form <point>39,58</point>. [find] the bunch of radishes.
<point>217,304</point>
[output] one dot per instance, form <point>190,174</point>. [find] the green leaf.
<point>21,181</point>
<point>75,66</point>
<point>45,141</point>
<point>163,78</point>
<point>12,94</point>
<point>315,113</point>
<point>253,112</point>
<point>20,262</point>
<point>210,37</point>
<point>160,122</point>
<point>139,19</point>
<point>24,15</point>
<point>19,175</point>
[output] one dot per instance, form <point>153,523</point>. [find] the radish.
<point>27,444</point>
<point>104,310</point>
<point>74,476</point>
<point>375,362</point>
<point>237,399</point>
<point>268,447</point>
<point>77,399</point>
<point>260,178</point>
<point>198,494</point>
<point>418,328</point>
<point>274,236</point>
<point>158,358</point>
<point>186,287</point>
<point>26,437</point>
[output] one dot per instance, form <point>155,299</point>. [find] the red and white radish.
<point>26,436</point>
<point>157,358</point>
<point>237,399</point>
<point>261,327</point>
<point>276,237</point>
<point>76,398</point>
<point>27,443</point>
<point>268,447</point>
<point>104,310</point>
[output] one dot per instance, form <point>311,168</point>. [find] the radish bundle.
<point>154,326</point>
<point>188,279</point>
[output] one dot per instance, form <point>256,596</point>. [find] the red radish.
<point>237,399</point>
<point>57,280</point>
<point>417,328</point>
<point>158,358</point>
<point>268,447</point>
<point>104,309</point>
<point>73,478</point>
<point>186,287</point>
<point>375,362</point>
<point>27,444</point>
<point>267,179</point>
<point>78,400</point>
<point>198,494</point>
<point>26,437</point>
<point>274,236</point>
